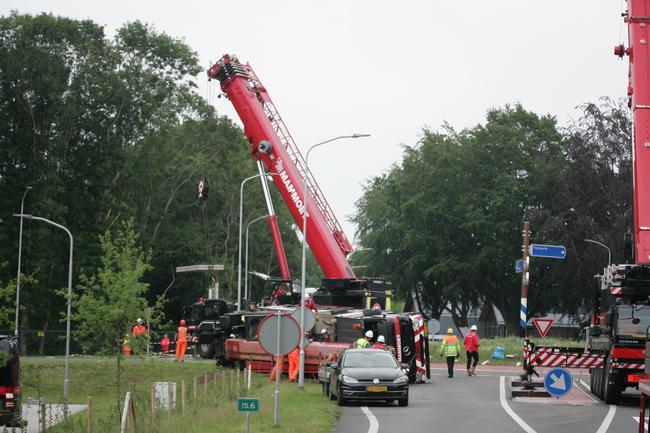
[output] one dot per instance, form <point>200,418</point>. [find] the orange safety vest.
<point>182,333</point>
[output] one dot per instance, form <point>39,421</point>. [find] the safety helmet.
<point>450,331</point>
<point>139,320</point>
<point>182,322</point>
<point>381,339</point>
<point>369,334</point>
<point>473,328</point>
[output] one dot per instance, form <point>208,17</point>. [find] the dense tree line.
<point>111,133</point>
<point>110,130</point>
<point>446,222</point>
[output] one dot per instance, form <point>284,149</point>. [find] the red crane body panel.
<point>253,104</point>
<point>638,19</point>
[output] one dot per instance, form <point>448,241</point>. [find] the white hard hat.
<point>324,331</point>
<point>139,320</point>
<point>473,328</point>
<point>381,339</point>
<point>369,334</point>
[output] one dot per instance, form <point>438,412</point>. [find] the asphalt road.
<point>473,404</point>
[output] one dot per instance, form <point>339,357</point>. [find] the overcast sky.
<point>388,68</point>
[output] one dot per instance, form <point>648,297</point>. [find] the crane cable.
<point>204,187</point>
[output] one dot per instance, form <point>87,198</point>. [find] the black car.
<point>368,375</point>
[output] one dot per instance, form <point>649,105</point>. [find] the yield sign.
<point>543,326</point>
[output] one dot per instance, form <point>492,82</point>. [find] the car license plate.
<point>377,388</point>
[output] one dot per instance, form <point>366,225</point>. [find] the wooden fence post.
<point>153,404</point>
<point>89,419</point>
<point>43,416</point>
<point>183,396</point>
<point>195,387</point>
<point>170,402</point>
<point>205,385</point>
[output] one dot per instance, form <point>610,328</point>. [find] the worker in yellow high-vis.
<point>450,348</point>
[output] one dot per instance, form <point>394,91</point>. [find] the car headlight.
<point>401,379</point>
<point>348,379</point>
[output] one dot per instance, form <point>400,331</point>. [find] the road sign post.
<point>278,334</point>
<point>558,382</point>
<point>248,406</point>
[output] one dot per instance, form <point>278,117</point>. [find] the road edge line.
<point>374,424</point>
<point>508,409</point>
<point>608,419</point>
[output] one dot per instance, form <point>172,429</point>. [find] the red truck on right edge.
<point>616,346</point>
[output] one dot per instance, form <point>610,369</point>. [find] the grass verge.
<point>213,410</point>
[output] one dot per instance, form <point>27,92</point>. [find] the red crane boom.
<point>638,18</point>
<point>270,142</point>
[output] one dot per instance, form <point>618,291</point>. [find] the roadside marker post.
<point>248,406</point>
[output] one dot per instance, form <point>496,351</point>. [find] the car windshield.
<point>369,359</point>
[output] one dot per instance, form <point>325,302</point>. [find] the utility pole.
<point>523,306</point>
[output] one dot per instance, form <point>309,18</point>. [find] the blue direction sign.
<point>547,251</point>
<point>558,382</point>
<point>519,266</point>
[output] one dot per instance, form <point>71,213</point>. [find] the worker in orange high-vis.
<point>181,342</point>
<point>294,364</point>
<point>275,366</point>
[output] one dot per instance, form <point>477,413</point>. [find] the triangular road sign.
<point>543,326</point>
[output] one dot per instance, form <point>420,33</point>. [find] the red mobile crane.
<point>270,142</point>
<point>617,340</point>
<point>272,146</point>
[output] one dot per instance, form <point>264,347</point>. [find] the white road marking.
<point>608,419</point>
<point>509,411</point>
<point>586,385</point>
<point>636,418</point>
<point>374,424</point>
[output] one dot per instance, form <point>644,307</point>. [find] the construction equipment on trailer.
<point>341,291</point>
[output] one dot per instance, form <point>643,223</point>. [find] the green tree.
<point>108,302</point>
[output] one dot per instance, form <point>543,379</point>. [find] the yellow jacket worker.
<point>451,349</point>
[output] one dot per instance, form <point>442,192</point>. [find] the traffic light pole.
<point>523,306</point>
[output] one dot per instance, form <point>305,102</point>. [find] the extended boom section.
<point>270,142</point>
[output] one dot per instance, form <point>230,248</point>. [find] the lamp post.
<point>20,252</point>
<point>246,260</point>
<point>301,368</point>
<point>67,332</point>
<point>609,252</point>
<point>241,222</point>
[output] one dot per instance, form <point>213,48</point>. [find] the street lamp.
<point>67,334</point>
<point>301,368</point>
<point>609,252</point>
<point>246,269</point>
<point>20,252</point>
<point>241,222</point>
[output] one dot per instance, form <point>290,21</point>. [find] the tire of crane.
<point>600,386</point>
<point>611,391</point>
<point>205,350</point>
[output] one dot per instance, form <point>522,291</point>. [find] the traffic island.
<point>534,392</point>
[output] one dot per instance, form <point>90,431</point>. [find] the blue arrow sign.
<point>558,382</point>
<point>547,251</point>
<point>519,266</point>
